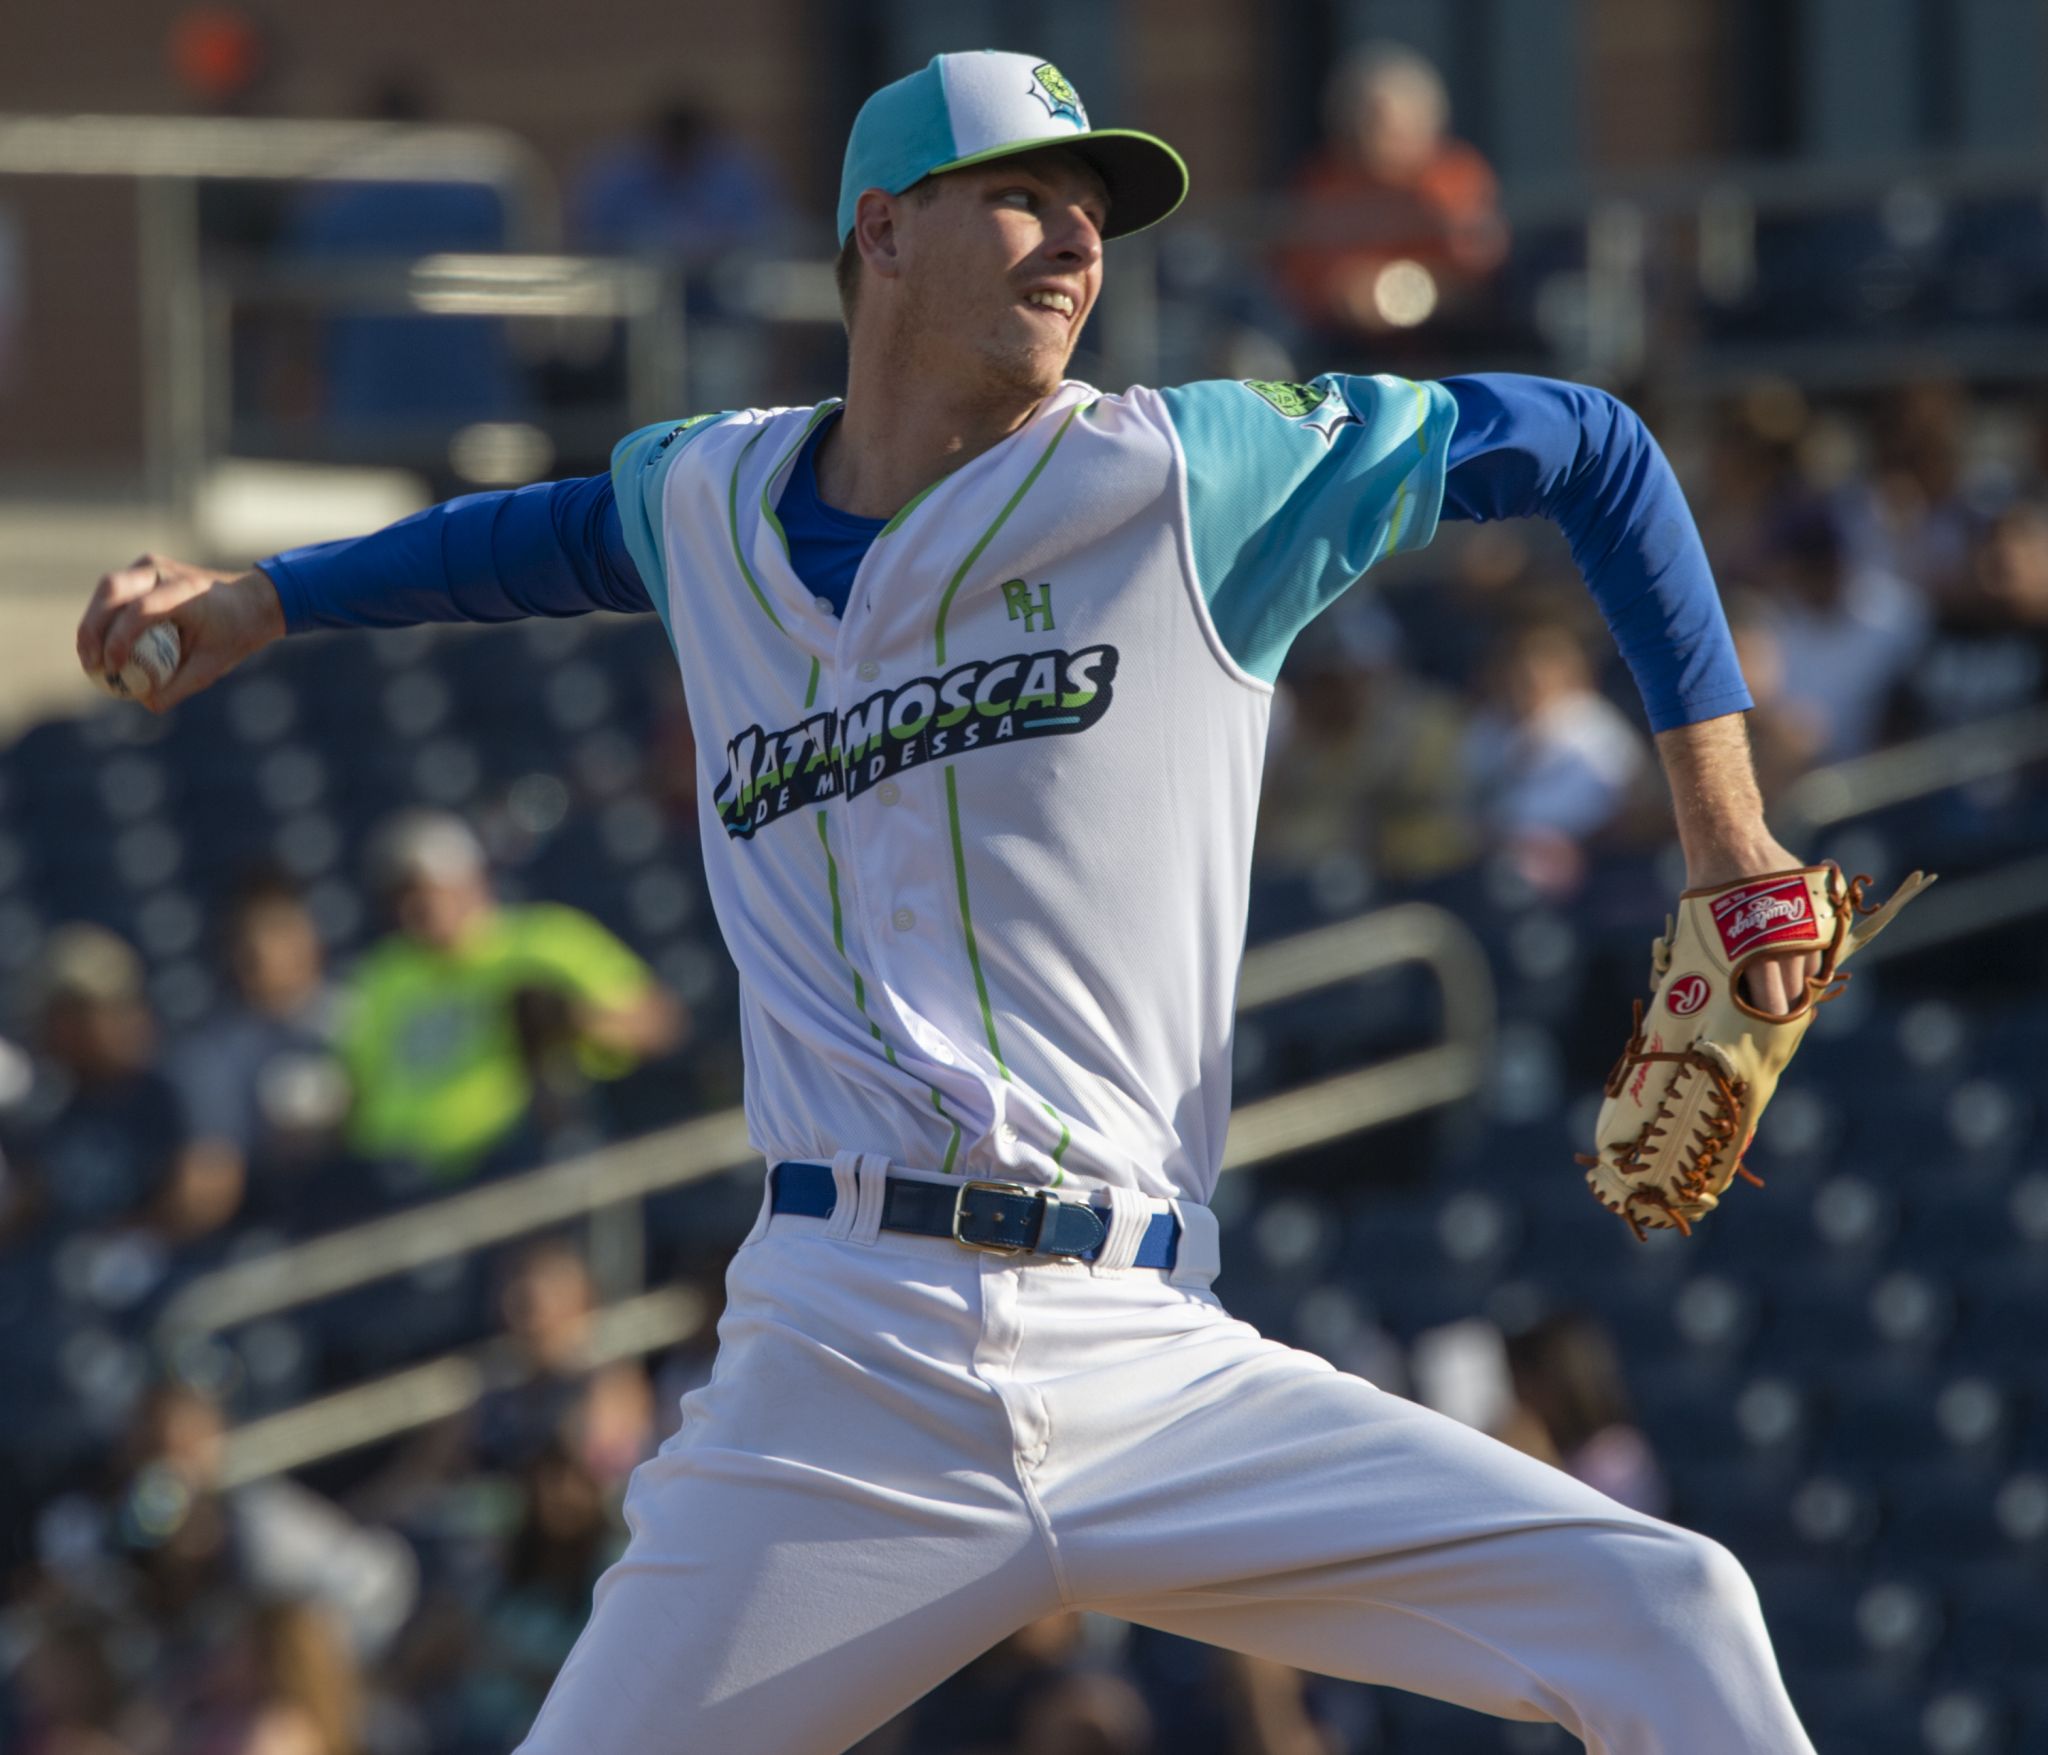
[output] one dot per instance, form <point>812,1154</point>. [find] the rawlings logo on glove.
<point>1683,1100</point>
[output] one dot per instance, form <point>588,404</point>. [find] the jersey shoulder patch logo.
<point>1319,408</point>
<point>1052,88</point>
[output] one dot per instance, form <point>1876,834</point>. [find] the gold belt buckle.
<point>960,1201</point>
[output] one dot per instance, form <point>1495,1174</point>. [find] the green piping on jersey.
<point>732,519</point>
<point>860,992</point>
<point>988,1016</point>
<point>782,463</point>
<point>909,506</point>
<point>811,691</point>
<point>989,535</point>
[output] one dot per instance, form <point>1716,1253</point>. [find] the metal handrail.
<point>538,1200</point>
<point>251,149</point>
<point>168,157</point>
<point>403,1401</point>
<point>1919,769</point>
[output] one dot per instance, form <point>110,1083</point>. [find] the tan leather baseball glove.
<point>1683,1100</point>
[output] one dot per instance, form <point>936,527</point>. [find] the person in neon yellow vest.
<point>433,1030</point>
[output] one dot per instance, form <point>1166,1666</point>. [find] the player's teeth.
<point>1054,302</point>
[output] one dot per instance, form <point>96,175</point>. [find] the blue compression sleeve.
<point>1542,448</point>
<point>554,549</point>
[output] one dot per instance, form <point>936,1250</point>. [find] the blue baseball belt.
<point>1004,1218</point>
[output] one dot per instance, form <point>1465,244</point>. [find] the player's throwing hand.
<point>220,619</point>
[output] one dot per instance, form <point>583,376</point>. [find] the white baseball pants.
<point>908,1450</point>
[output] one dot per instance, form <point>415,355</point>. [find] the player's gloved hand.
<point>221,619</point>
<point>1734,983</point>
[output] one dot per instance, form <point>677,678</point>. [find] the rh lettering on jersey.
<point>982,704</point>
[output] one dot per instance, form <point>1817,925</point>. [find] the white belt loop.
<point>1200,1255</point>
<point>845,1195</point>
<point>871,1191</point>
<point>767,1211</point>
<point>1128,1214</point>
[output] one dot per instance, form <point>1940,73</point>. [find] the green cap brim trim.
<point>1135,199</point>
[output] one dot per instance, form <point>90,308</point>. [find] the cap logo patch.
<point>1051,88</point>
<point>1764,913</point>
<point>1688,995</point>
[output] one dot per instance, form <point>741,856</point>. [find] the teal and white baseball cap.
<point>967,109</point>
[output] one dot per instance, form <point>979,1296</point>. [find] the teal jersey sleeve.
<point>1294,490</point>
<point>639,473</point>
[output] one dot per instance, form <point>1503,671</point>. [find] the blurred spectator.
<point>102,1142</point>
<point>2007,582</point>
<point>1090,1713</point>
<point>681,188</point>
<point>976,1712</point>
<point>67,1696</point>
<point>286,1684</point>
<point>1552,761</point>
<point>1269,1708</point>
<point>396,383</point>
<point>475,1024</point>
<point>1989,652</point>
<point>1784,735</point>
<point>1752,469</point>
<point>535,1601</point>
<point>1572,1410</point>
<point>1850,629</point>
<point>1911,518</point>
<point>184,1548</point>
<point>1398,223</point>
<point>219,56</point>
<point>547,1394</point>
<point>604,1413</point>
<point>671,772</point>
<point>1365,758</point>
<point>261,1078</point>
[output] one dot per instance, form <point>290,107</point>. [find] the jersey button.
<point>824,606</point>
<point>889,792</point>
<point>867,670</point>
<point>904,919</point>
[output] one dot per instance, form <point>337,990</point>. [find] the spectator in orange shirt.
<point>1397,222</point>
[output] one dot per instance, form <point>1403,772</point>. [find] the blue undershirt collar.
<point>826,545</point>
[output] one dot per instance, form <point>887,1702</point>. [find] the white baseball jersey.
<point>981,848</point>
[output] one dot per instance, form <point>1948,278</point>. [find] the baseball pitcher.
<point>980,661</point>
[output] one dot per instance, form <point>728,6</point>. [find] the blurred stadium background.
<point>315,1407</point>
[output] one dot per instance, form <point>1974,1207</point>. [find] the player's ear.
<point>874,226</point>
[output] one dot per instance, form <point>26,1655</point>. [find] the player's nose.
<point>1073,237</point>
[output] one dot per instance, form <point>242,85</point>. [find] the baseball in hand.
<point>150,665</point>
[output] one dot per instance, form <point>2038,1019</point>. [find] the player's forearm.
<point>553,549</point>
<point>1715,799</point>
<point>1539,447</point>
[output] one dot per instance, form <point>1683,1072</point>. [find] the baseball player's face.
<point>1003,265</point>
